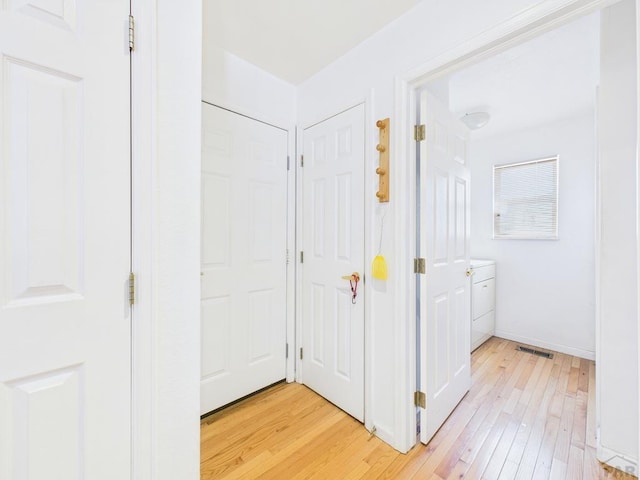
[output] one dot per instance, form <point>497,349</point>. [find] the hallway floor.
<point>525,417</point>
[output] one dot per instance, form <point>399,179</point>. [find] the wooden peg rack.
<point>383,165</point>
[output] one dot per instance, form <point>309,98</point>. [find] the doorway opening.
<point>433,76</point>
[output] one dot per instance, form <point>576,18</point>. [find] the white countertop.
<point>481,262</point>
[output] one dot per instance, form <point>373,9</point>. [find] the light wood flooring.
<point>525,417</point>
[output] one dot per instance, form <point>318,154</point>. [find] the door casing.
<point>531,23</point>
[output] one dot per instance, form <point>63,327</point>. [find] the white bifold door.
<point>65,342</point>
<point>445,321</point>
<point>244,261</point>
<point>333,248</point>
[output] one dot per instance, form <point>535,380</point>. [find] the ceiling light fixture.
<point>475,120</point>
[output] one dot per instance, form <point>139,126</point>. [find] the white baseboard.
<point>618,461</point>
<point>577,352</point>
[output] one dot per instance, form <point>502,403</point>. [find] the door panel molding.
<point>250,273</point>
<point>333,221</point>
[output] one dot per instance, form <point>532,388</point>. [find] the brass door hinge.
<point>420,399</point>
<point>132,288</point>
<point>132,34</point>
<point>419,265</point>
<point>419,133</point>
<point>301,355</point>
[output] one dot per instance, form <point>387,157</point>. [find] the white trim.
<point>321,118</point>
<point>256,118</point>
<point>530,23</point>
<point>404,208</point>
<point>296,252</point>
<point>291,248</point>
<point>144,119</point>
<point>161,445</point>
<point>597,268</point>
<point>617,461</point>
<point>260,116</point>
<point>637,197</point>
<point>369,192</point>
<point>534,21</point>
<point>555,347</point>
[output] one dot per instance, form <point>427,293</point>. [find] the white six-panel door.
<point>64,240</point>
<point>333,246</point>
<point>244,242</point>
<point>445,321</point>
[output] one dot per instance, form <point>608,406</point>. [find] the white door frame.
<point>539,19</point>
<point>166,96</point>
<point>369,193</point>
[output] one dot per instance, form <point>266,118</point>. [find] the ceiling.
<point>294,39</point>
<point>550,77</point>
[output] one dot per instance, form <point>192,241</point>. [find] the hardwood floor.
<point>525,417</point>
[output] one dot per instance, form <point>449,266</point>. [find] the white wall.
<point>426,33</point>
<point>177,241</point>
<point>430,29</point>
<point>616,365</point>
<point>166,78</point>
<point>231,82</point>
<point>545,289</point>
<point>369,71</point>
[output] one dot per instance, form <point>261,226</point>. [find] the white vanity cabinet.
<point>483,301</point>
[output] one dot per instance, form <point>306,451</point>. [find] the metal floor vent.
<point>534,352</point>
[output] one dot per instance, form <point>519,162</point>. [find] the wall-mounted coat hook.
<point>383,169</point>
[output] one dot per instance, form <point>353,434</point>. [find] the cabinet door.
<point>483,327</point>
<point>483,297</point>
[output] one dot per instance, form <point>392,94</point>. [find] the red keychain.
<point>353,282</point>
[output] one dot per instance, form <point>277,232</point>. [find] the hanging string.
<point>381,230</point>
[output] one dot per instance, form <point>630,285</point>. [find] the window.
<point>525,200</point>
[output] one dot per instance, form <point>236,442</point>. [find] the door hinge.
<point>132,34</point>
<point>301,257</point>
<point>286,351</point>
<point>302,160</point>
<point>132,288</point>
<point>419,132</point>
<point>288,159</point>
<point>420,399</point>
<point>419,265</point>
<point>287,256</point>
<point>301,355</point>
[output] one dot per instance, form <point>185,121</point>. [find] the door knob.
<point>355,276</point>
<point>469,272</point>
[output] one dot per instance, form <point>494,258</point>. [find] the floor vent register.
<point>534,352</point>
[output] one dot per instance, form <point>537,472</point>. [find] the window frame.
<point>555,234</point>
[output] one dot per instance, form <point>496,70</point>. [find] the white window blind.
<point>526,200</point>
